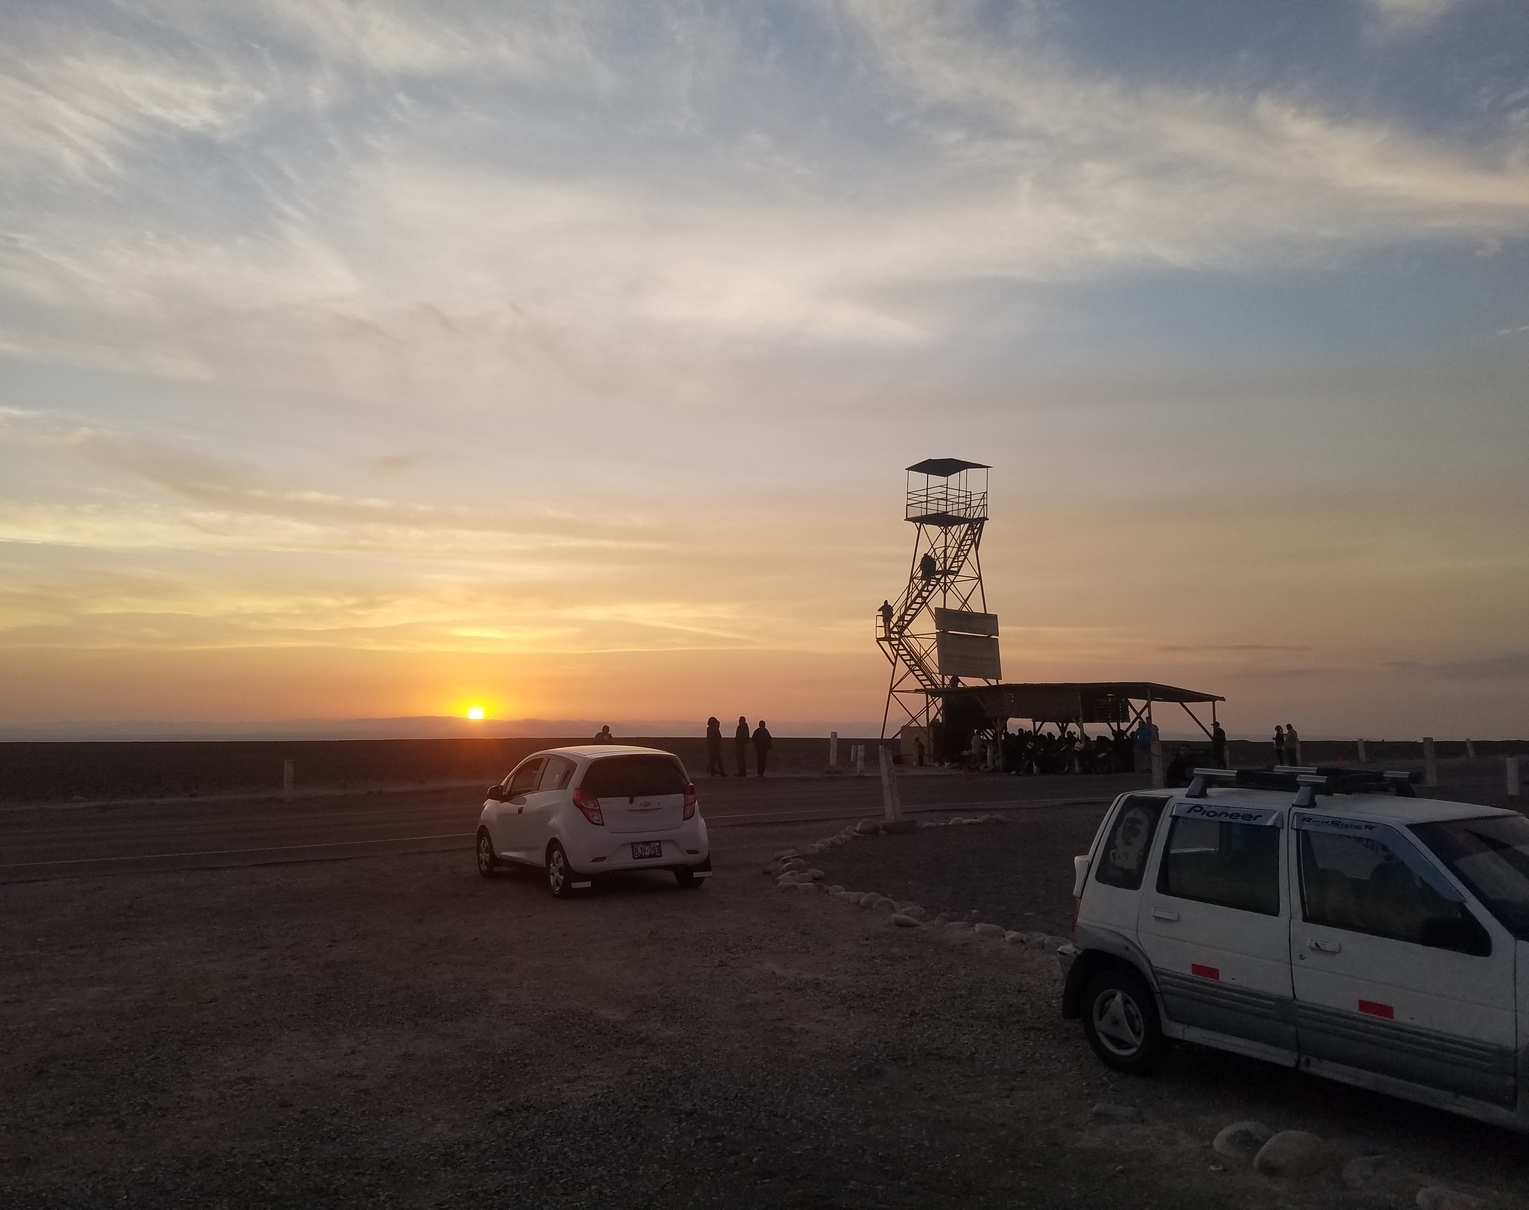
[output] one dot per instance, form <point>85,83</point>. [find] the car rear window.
<point>1123,859</point>
<point>634,776</point>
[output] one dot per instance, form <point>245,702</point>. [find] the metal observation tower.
<point>938,633</point>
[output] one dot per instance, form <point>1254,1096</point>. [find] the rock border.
<point>794,874</point>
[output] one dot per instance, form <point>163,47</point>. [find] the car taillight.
<point>590,806</point>
<point>690,800</point>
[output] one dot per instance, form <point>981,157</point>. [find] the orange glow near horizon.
<point>475,713</point>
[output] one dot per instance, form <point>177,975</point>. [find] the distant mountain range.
<point>422,727</point>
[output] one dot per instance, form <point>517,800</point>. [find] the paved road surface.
<point>41,842</point>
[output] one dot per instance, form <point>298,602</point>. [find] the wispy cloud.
<point>394,195</point>
<point>1513,666</point>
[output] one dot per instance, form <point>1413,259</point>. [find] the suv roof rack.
<point>1306,781</point>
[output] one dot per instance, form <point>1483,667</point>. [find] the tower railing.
<point>946,500</point>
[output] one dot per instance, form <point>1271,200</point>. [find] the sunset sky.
<point>376,359</point>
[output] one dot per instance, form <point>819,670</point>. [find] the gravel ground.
<point>399,1032</point>
<point>1017,873</point>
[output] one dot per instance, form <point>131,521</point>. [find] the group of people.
<point>760,740</point>
<point>1287,745</point>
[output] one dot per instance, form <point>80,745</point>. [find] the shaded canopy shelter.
<point>1122,705</point>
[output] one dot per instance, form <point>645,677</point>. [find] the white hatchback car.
<point>595,809</point>
<point>1316,918</point>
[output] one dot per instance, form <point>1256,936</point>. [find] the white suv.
<point>580,812</point>
<point>1316,918</point>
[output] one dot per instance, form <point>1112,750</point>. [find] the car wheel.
<point>685,875</point>
<point>1120,1019</point>
<point>488,861</point>
<point>559,872</point>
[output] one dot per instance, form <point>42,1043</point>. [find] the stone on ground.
<point>867,827</point>
<point>915,911</point>
<point>957,926</point>
<point>1242,1140</point>
<point>1364,1170</point>
<point>1015,938</point>
<point>1291,1153</point>
<point>988,930</point>
<point>1113,1115</point>
<point>904,921</point>
<point>1437,1197</point>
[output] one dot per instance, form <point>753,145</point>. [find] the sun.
<point>475,712</point>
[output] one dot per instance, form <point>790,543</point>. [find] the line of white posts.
<point>893,804</point>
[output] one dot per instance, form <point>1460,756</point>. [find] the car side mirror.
<point>496,793</point>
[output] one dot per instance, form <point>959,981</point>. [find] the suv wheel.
<point>1120,1019</point>
<point>559,872</point>
<point>488,863</point>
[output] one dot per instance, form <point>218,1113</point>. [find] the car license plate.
<point>647,848</point>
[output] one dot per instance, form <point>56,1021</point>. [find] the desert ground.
<point>375,1024</point>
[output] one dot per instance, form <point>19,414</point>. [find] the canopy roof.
<point>1073,701</point>
<point>946,467</point>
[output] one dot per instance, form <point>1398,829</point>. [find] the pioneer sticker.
<point>1213,812</point>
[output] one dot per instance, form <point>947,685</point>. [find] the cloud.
<point>1513,666</point>
<point>1410,14</point>
<point>389,198</point>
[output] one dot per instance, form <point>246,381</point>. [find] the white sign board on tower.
<point>973,655</point>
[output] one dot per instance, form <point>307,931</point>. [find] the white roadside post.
<point>891,805</point>
<point>1157,764</point>
<point>1430,765</point>
<point>1362,760</point>
<point>1470,749</point>
<point>286,780</point>
<point>859,760</point>
<point>833,749</point>
<point>1512,777</point>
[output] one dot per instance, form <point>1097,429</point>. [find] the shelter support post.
<point>1430,765</point>
<point>286,780</point>
<point>1513,777</point>
<point>1185,707</point>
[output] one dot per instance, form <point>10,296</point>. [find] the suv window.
<point>1233,865</point>
<point>557,773</point>
<point>1376,884</point>
<point>524,779</point>
<point>634,777</point>
<point>1491,856</point>
<point>1123,858</point>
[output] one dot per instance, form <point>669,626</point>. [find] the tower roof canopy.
<point>945,467</point>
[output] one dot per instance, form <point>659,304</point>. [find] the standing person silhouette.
<point>1218,745</point>
<point>714,748</point>
<point>605,736</point>
<point>741,746</point>
<point>762,742</point>
<point>886,618</point>
<point>1292,745</point>
<point>1279,744</point>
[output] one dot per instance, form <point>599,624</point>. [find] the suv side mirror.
<point>496,792</point>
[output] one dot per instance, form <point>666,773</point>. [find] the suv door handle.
<point>1164,914</point>
<point>1327,947</point>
